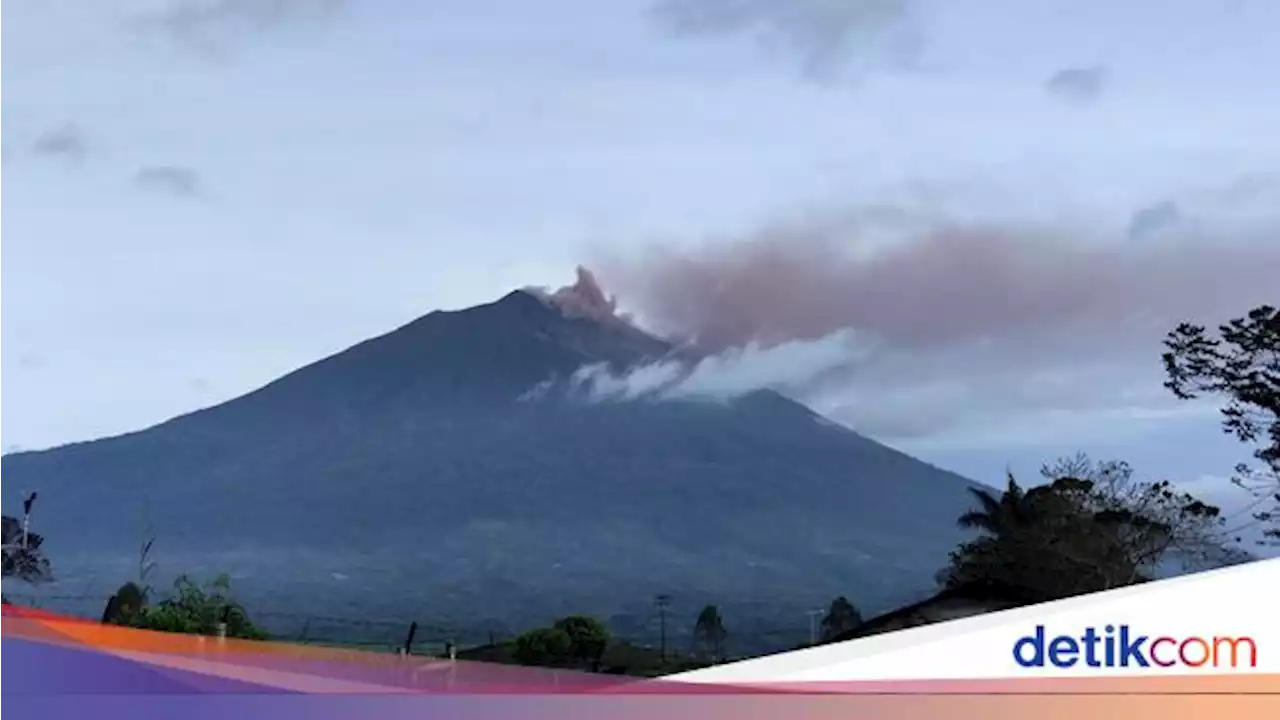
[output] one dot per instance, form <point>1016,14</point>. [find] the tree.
<point>588,639</point>
<point>1241,365</point>
<point>21,557</point>
<point>125,605</point>
<point>709,632</point>
<point>841,617</point>
<point>544,647</point>
<point>999,515</point>
<point>193,609</point>
<point>1090,528</point>
<point>1024,543</point>
<point>1153,521</point>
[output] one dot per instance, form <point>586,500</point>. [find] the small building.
<point>949,604</point>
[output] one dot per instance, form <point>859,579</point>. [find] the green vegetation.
<point>191,609</point>
<point>576,641</point>
<point>1091,527</point>
<point>23,559</point>
<point>123,607</point>
<point>841,617</point>
<point>709,633</point>
<point>588,639</point>
<point>579,642</point>
<point>543,647</point>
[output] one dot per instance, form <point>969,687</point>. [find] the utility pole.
<point>813,625</point>
<point>220,630</point>
<point>408,641</point>
<point>27,501</point>
<point>661,602</point>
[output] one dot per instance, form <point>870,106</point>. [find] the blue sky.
<point>204,195</point>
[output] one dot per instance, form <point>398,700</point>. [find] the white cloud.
<point>1078,84</point>
<point>169,179</point>
<point>728,374</point>
<point>64,142</point>
<point>211,25</point>
<point>827,35</point>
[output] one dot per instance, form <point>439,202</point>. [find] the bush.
<point>197,611</point>
<point>125,605</point>
<point>573,641</point>
<point>544,647</point>
<point>588,638</point>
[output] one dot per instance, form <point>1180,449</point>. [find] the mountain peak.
<point>417,462</point>
<point>584,298</point>
<point>587,300</point>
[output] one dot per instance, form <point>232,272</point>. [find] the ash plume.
<point>953,285</point>
<point>584,298</point>
<point>952,322</point>
<point>688,371</point>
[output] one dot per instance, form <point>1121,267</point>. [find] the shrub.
<point>198,611</point>
<point>588,638</point>
<point>544,647</point>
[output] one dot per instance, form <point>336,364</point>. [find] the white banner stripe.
<point>1179,620</point>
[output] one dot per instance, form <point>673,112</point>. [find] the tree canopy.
<point>544,647</point>
<point>125,605</point>
<point>573,641</point>
<point>189,609</point>
<point>588,638</point>
<point>1091,527</point>
<point>709,632</point>
<point>23,558</point>
<point>841,617</point>
<point>1239,364</point>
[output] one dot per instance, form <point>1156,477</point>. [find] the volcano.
<point>417,475</point>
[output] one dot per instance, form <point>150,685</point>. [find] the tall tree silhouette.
<point>1241,366</point>
<point>841,617</point>
<point>22,557</point>
<point>1079,534</point>
<point>709,632</point>
<point>1007,514</point>
<point>588,639</point>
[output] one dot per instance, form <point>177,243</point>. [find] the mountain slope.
<point>413,476</point>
